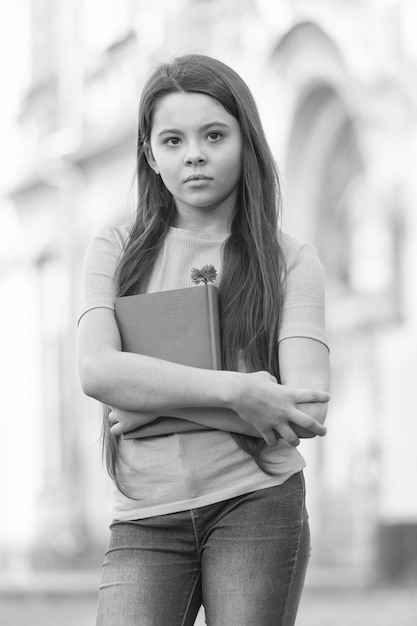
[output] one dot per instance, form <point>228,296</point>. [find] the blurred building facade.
<point>334,82</point>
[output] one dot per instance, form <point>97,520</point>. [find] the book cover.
<point>180,325</point>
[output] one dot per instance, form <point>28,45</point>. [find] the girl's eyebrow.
<point>203,127</point>
<point>171,131</point>
<point>215,123</point>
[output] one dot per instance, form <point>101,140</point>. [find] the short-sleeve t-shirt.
<point>172,473</point>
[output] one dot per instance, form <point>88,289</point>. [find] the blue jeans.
<point>244,559</point>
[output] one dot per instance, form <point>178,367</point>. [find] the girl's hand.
<point>124,421</point>
<point>271,408</point>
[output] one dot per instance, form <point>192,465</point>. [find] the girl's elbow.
<point>321,413</point>
<point>90,379</point>
<point>318,411</point>
<point>89,388</point>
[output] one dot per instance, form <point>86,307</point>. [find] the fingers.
<point>309,423</point>
<point>301,396</point>
<point>115,426</point>
<point>112,418</point>
<point>288,434</point>
<point>303,433</point>
<point>123,421</point>
<point>283,431</point>
<point>116,430</point>
<point>291,432</point>
<point>270,437</point>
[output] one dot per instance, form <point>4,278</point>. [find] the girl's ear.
<point>150,158</point>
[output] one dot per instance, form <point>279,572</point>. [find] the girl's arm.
<point>305,362</point>
<point>210,418</point>
<point>137,382</point>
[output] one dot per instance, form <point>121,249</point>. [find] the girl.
<point>214,517</point>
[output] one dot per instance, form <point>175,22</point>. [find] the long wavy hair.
<point>251,286</point>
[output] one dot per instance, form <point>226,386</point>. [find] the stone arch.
<point>322,156</point>
<point>323,171</point>
<point>306,34</point>
<point>323,163</point>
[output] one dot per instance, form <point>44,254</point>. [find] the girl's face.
<point>196,148</point>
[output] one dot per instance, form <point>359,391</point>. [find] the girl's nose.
<point>194,155</point>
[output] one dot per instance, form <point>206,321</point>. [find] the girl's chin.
<point>204,204</point>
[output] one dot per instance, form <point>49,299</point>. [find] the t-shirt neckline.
<point>196,234</point>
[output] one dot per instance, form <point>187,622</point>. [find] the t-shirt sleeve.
<point>303,313</point>
<point>100,266</point>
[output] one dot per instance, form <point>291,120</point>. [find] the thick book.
<point>180,325</point>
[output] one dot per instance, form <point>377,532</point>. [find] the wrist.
<point>231,389</point>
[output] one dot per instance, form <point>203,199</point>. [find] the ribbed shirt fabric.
<point>185,471</point>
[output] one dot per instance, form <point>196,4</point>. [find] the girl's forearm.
<point>140,383</point>
<point>226,419</point>
<point>217,418</point>
<point>211,418</point>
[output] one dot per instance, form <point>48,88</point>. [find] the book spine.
<point>213,312</point>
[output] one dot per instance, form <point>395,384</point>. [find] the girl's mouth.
<point>195,177</point>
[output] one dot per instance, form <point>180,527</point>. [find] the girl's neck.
<point>215,219</point>
<point>203,223</point>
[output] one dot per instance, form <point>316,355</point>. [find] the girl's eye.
<point>214,136</point>
<point>172,141</point>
